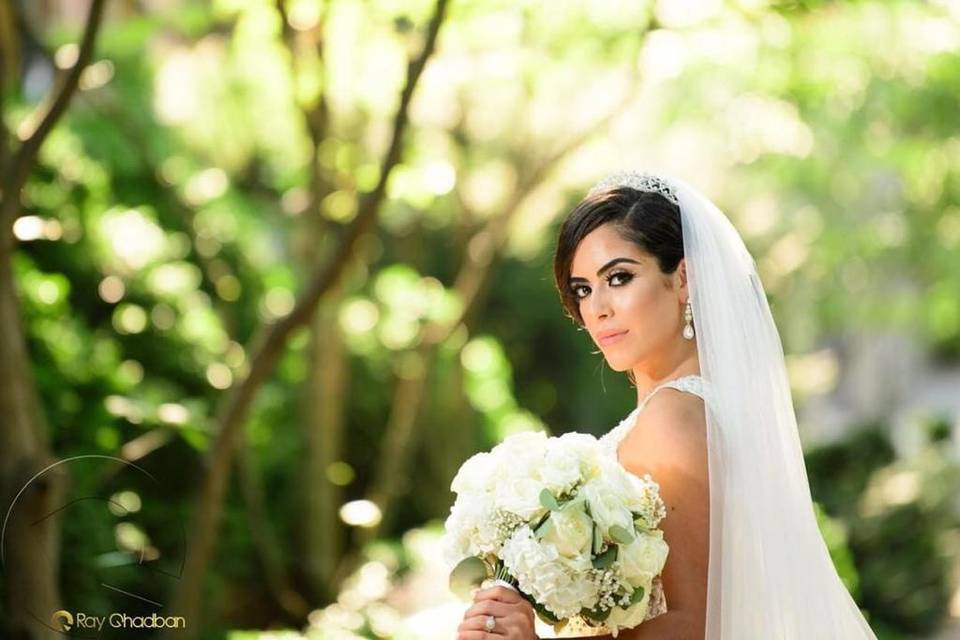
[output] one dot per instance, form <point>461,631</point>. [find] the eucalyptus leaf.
<point>606,558</point>
<point>468,575</point>
<point>548,501</point>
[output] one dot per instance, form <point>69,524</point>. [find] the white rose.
<point>570,531</point>
<point>643,558</point>
<point>521,455</point>
<point>606,506</point>
<point>561,466</point>
<point>629,618</point>
<point>520,496</point>
<point>477,475</point>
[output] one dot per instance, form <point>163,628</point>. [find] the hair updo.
<point>644,218</point>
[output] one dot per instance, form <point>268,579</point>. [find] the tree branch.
<point>400,436</point>
<point>267,346</point>
<point>23,160</point>
<point>9,44</point>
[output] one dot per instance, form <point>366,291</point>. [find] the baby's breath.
<point>609,583</point>
<point>505,523</point>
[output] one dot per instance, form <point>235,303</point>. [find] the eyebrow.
<point>605,267</point>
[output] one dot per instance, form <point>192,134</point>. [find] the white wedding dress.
<point>770,574</point>
<point>610,443</point>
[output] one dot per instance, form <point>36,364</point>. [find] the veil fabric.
<point>770,573</point>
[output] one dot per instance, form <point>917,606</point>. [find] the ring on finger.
<point>490,623</point>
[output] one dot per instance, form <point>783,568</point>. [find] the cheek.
<point>642,302</point>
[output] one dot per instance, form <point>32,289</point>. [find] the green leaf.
<point>597,615</point>
<point>573,504</point>
<point>637,595</point>
<point>548,501</point>
<point>467,575</point>
<point>621,535</point>
<point>606,558</point>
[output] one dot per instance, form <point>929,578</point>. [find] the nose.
<point>598,305</point>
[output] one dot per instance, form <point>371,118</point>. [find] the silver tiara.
<point>639,181</point>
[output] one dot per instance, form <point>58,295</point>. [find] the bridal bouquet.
<point>572,530</point>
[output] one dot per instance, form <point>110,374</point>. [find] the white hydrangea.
<point>560,584</point>
<point>500,501</point>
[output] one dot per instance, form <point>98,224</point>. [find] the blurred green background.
<point>279,267</point>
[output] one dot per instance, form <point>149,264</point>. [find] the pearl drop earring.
<point>688,318</point>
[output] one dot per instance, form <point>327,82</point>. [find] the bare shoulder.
<point>669,441</point>
<point>671,429</point>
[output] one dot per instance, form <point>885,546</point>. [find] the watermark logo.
<point>129,578</point>
<point>64,621</point>
<point>61,620</point>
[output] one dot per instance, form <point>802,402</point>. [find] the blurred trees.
<point>310,242</point>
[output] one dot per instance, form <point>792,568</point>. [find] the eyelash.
<point>628,277</point>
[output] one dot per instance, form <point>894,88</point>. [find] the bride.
<point>667,290</point>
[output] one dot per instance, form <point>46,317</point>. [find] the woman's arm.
<point>669,442</point>
<point>672,625</point>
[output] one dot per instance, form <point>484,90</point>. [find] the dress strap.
<point>690,384</point>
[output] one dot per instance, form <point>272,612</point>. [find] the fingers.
<point>502,594</point>
<point>486,608</point>
<point>511,626</point>
<point>506,597</point>
<point>514,616</point>
<point>475,624</point>
<point>477,635</point>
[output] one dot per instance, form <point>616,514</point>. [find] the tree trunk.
<point>31,545</point>
<point>324,413</point>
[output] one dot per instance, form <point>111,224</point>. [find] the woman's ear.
<point>682,280</point>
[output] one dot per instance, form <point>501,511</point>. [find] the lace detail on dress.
<point>611,440</point>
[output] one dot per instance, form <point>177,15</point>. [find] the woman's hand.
<point>513,614</point>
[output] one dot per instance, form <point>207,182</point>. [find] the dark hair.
<point>645,218</point>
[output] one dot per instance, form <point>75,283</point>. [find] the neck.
<point>679,362</point>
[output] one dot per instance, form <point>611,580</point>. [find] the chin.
<point>620,364</point>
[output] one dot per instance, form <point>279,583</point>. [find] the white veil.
<point>770,574</point>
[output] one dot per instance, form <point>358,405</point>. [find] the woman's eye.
<point>621,277</point>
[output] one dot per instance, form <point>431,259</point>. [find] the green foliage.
<point>171,215</point>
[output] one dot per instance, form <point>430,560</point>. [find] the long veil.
<point>770,573</point>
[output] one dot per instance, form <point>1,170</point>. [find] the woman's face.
<point>629,296</point>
